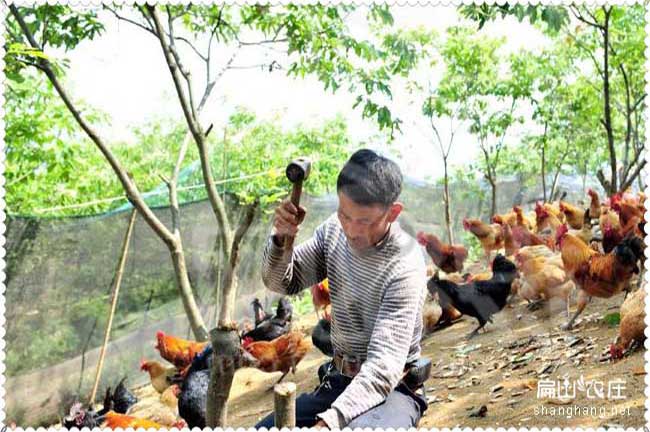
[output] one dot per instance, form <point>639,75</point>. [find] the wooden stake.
<point>285,405</point>
<point>114,295</point>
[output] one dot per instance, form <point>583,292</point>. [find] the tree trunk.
<point>544,169</point>
<point>493,186</point>
<point>189,304</point>
<point>607,106</point>
<point>225,344</point>
<point>229,285</point>
<point>450,236</point>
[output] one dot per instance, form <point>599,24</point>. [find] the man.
<point>377,286</point>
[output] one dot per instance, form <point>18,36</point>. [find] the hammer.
<point>297,171</point>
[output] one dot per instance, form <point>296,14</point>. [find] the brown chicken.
<point>574,216</point>
<point>169,397</point>
<point>547,220</point>
<point>448,258</point>
<point>506,218</point>
<point>279,355</point>
<point>542,279</point>
<point>613,236</point>
<point>159,374</point>
<point>523,220</point>
<point>431,314</point>
<point>585,233</point>
<point>490,236</point>
<point>596,274</point>
<point>632,325</point>
<point>529,252</point>
<point>115,420</point>
<point>609,217</point>
<point>518,236</point>
<point>594,206</point>
<point>628,212</point>
<point>320,295</point>
<point>179,352</point>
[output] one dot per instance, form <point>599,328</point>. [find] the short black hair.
<point>368,178</point>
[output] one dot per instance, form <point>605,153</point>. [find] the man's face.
<point>365,225</point>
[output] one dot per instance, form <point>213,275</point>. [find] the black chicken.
<point>321,337</point>
<point>480,299</point>
<point>273,327</point>
<point>193,397</point>
<point>120,400</point>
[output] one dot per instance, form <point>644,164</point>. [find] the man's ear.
<point>395,210</point>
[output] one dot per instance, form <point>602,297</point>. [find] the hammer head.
<point>298,170</point>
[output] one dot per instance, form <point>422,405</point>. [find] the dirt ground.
<point>499,369</point>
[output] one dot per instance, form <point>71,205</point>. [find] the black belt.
<point>415,373</point>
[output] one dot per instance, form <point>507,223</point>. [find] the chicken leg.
<point>475,331</point>
<point>582,300</point>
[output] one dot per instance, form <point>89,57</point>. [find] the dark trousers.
<point>401,409</point>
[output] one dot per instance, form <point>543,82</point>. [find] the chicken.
<point>585,233</point>
<point>177,351</point>
<point>279,355</point>
<point>320,294</point>
<point>79,417</point>
<point>321,335</point>
<point>628,212</point>
<point>448,258</point>
<point>431,314</point>
<point>612,237</point>
<point>554,209</point>
<point>596,274</point>
<point>518,236</point>
<point>523,220</point>
<point>162,410</point>
<point>506,218</point>
<point>632,325</point>
<point>169,397</point>
<point>193,398</point>
<point>609,216</point>
<point>546,219</point>
<point>542,279</point>
<point>160,375</point>
<point>115,420</point>
<point>536,251</point>
<point>490,236</point>
<point>574,216</point>
<point>480,299</point>
<point>121,399</point>
<point>594,206</point>
<point>276,326</point>
<point>202,361</point>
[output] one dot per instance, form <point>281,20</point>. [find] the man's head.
<point>368,187</point>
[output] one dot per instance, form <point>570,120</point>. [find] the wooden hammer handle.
<point>295,200</point>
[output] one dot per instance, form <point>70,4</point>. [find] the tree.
<point>610,38</point>
<point>486,100</point>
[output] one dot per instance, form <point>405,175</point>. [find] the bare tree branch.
<point>128,20</point>
<point>199,138</point>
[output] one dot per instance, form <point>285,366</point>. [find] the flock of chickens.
<point>182,381</point>
<point>550,253</point>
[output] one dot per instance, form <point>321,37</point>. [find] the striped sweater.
<point>376,298</point>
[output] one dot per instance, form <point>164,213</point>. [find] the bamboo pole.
<point>114,296</point>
